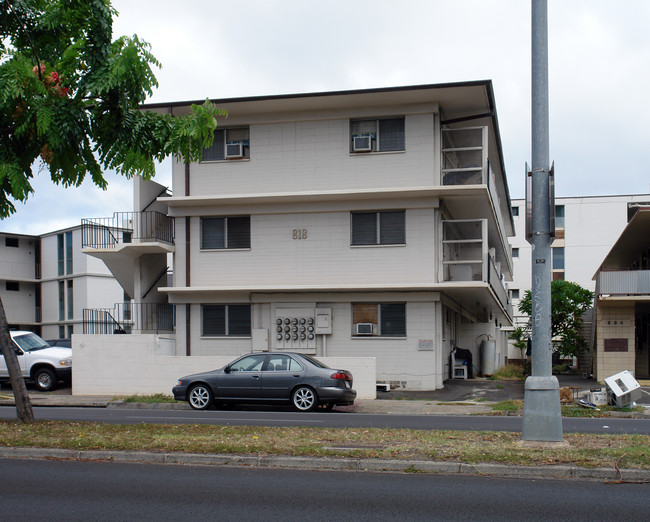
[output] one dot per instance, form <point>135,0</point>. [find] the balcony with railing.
<point>126,228</point>
<point>467,258</point>
<point>130,318</point>
<point>623,282</point>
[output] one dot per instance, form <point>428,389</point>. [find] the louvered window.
<point>225,232</point>
<point>377,135</point>
<point>228,144</point>
<point>383,319</point>
<point>378,228</point>
<point>226,320</point>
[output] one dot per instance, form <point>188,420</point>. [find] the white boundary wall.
<point>141,364</point>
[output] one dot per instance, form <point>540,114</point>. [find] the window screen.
<point>378,228</point>
<point>386,134</point>
<point>391,317</point>
<point>391,134</point>
<point>230,232</point>
<point>217,151</point>
<point>226,320</point>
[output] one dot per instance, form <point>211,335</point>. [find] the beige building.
<point>623,301</point>
<point>369,223</point>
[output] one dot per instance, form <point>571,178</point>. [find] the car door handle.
<point>255,376</point>
<point>296,375</point>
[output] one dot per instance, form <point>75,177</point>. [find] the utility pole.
<point>542,415</point>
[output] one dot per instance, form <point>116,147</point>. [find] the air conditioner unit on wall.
<point>362,143</point>
<point>234,149</point>
<point>364,329</point>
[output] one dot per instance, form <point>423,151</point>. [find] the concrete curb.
<point>335,464</point>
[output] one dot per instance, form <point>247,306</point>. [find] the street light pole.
<point>542,416</point>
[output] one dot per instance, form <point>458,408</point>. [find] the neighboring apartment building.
<point>357,223</point>
<point>46,282</point>
<point>586,229</point>
<point>623,300</point>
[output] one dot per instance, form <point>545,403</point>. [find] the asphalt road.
<point>280,417</point>
<point>73,490</point>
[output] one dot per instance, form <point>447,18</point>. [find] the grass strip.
<point>585,450</point>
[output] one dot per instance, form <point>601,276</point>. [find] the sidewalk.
<point>458,397</point>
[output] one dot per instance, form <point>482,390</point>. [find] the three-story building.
<point>357,223</point>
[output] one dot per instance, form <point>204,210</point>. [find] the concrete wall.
<point>140,364</point>
<point>313,153</point>
<point>325,255</point>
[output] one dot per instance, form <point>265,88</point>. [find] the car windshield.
<point>315,362</point>
<point>30,342</point>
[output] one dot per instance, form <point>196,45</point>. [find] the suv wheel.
<point>45,379</point>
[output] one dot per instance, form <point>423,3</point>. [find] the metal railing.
<point>125,318</point>
<point>496,283</point>
<point>623,282</point>
<point>127,227</point>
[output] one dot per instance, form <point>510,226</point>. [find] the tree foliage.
<point>569,301</point>
<point>70,100</point>
<point>70,97</point>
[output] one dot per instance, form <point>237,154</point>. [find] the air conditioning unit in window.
<point>364,329</point>
<point>362,143</point>
<point>234,149</point>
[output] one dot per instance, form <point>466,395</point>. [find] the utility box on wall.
<point>295,329</point>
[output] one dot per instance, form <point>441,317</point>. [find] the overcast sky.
<point>599,74</point>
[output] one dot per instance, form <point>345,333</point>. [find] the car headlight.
<point>65,362</point>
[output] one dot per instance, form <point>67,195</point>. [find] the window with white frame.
<point>233,320</point>
<point>377,135</point>
<point>228,144</point>
<point>218,233</point>
<point>379,319</point>
<point>378,228</point>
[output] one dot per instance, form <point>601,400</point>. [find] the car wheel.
<point>200,397</point>
<point>45,379</point>
<point>304,398</point>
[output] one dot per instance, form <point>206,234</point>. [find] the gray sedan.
<point>271,378</point>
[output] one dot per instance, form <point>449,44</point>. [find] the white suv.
<point>44,364</point>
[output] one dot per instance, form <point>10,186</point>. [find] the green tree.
<point>569,301</point>
<point>520,337</point>
<point>70,100</point>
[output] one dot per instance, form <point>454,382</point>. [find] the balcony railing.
<point>464,156</point>
<point>126,318</point>
<point>623,282</point>
<point>464,244</point>
<point>127,227</point>
<point>466,257</point>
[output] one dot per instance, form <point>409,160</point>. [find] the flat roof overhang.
<point>477,298</point>
<point>631,244</point>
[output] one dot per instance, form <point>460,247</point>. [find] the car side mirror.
<point>226,369</point>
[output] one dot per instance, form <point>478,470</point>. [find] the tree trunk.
<point>23,404</point>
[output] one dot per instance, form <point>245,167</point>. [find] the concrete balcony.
<point>469,266</point>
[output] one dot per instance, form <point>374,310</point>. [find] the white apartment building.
<point>370,223</point>
<point>586,229</point>
<point>46,282</point>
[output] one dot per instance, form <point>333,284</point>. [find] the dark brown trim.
<point>188,256</point>
<point>187,179</point>
<point>188,329</point>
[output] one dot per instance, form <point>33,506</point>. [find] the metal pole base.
<point>542,414</point>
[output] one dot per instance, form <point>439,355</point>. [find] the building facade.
<point>48,282</point>
<point>368,223</point>
<point>586,229</point>
<point>623,300</point>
